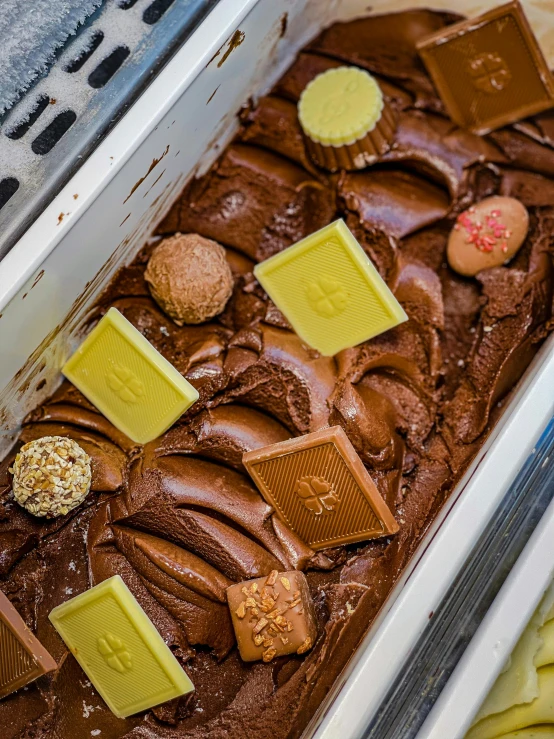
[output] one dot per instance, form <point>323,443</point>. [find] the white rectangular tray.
<point>99,221</point>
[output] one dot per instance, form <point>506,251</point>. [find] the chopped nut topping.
<point>267,641</point>
<point>262,623</point>
<point>250,603</point>
<point>306,644</point>
<point>268,655</point>
<point>258,640</point>
<point>284,639</point>
<point>267,605</point>
<point>254,587</point>
<point>272,578</point>
<point>285,582</point>
<point>241,610</point>
<point>51,476</point>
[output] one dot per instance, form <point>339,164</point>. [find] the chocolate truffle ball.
<point>487,235</point>
<point>189,278</point>
<point>51,476</point>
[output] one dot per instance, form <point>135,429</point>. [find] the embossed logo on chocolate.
<point>327,296</point>
<point>317,495</point>
<point>489,72</point>
<point>339,103</point>
<point>115,653</point>
<point>125,383</point>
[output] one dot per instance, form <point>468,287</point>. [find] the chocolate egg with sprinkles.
<point>487,235</point>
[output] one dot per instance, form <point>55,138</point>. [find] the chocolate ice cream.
<point>179,519</point>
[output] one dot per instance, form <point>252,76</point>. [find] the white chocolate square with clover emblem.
<point>129,381</point>
<point>119,648</point>
<point>329,291</point>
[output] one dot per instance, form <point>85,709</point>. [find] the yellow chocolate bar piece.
<point>129,381</point>
<point>340,106</point>
<point>329,291</point>
<point>119,648</point>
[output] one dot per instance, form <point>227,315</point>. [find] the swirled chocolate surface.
<point>179,519</point>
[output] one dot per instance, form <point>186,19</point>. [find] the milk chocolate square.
<point>22,657</point>
<point>272,616</point>
<point>489,71</point>
<point>320,488</point>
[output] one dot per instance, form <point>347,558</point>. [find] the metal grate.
<point>96,76</point>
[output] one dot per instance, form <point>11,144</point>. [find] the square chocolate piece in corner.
<point>272,616</point>
<point>489,71</point>
<point>22,657</point>
<point>320,488</point>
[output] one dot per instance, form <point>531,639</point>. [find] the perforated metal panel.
<point>99,72</point>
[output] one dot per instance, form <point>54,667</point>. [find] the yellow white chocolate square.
<point>119,648</point>
<point>329,291</point>
<point>128,380</point>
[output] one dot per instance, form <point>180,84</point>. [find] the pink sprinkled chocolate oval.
<point>487,235</point>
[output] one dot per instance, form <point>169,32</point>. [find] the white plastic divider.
<point>498,634</point>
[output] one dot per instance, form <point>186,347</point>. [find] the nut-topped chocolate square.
<point>489,71</point>
<point>272,616</point>
<point>320,488</point>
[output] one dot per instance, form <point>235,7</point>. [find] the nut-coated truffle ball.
<point>51,476</point>
<point>189,278</point>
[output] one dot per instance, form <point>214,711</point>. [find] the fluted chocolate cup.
<point>347,122</point>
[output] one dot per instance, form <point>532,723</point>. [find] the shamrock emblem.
<point>115,653</point>
<point>327,296</point>
<point>317,495</point>
<point>490,72</point>
<point>125,383</point>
